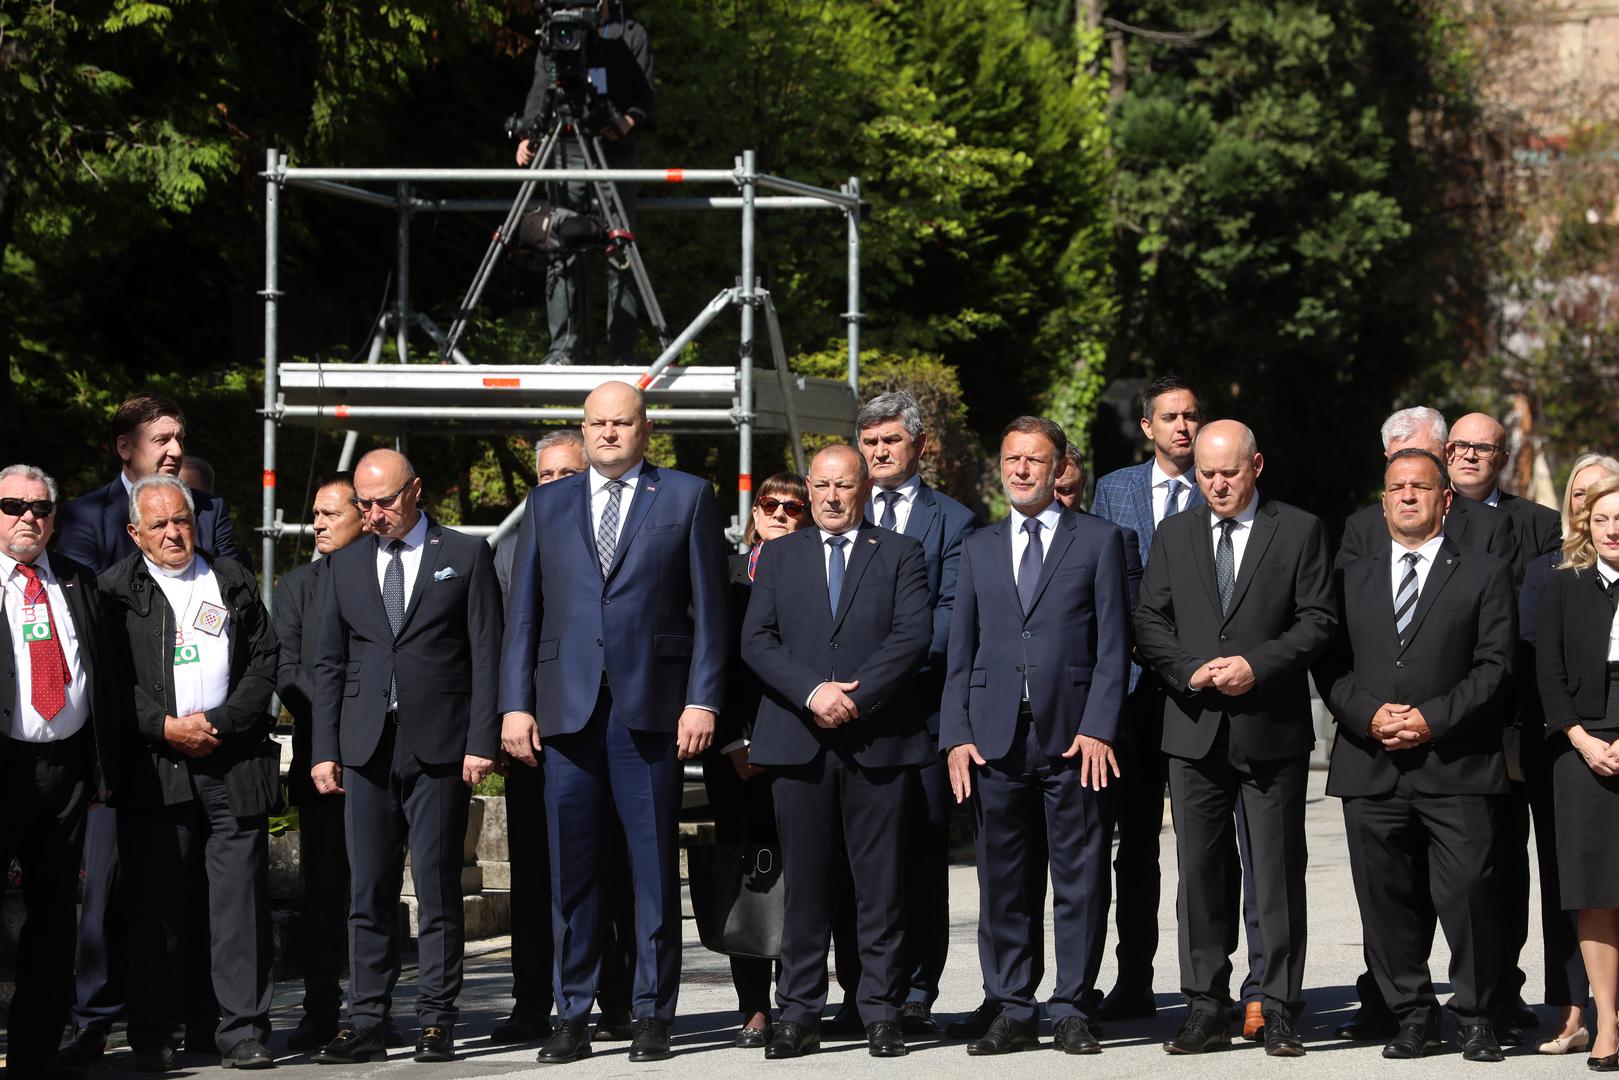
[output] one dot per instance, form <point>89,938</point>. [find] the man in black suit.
<point>1477,455</point>
<point>405,725</point>
<point>148,433</point>
<point>1418,684</point>
<point>1036,677</point>
<point>1236,602</point>
<point>838,626</point>
<point>323,864</point>
<point>52,734</point>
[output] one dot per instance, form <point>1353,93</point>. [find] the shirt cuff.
<point>812,694</point>
<point>733,746</point>
<point>705,708</point>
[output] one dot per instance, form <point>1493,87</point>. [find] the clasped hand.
<point>1230,675</point>
<point>192,734</point>
<point>832,706</point>
<point>1400,727</point>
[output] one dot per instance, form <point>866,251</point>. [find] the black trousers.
<point>1205,796</point>
<point>44,789</point>
<point>743,810</point>
<point>394,800</point>
<point>1565,981</point>
<point>1138,805</point>
<point>814,804</point>
<point>1411,853</point>
<point>100,960</point>
<point>160,847</point>
<point>323,869</point>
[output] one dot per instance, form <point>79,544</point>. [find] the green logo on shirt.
<point>186,654</point>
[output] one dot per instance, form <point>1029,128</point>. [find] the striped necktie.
<point>607,532</point>
<point>1405,598</point>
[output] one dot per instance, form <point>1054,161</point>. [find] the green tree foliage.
<point>1281,218</point>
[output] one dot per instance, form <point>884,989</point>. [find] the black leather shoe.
<point>1281,1037</point>
<point>1073,1035</point>
<point>1122,1003</point>
<point>791,1040</point>
<point>160,1059</point>
<point>915,1018</point>
<point>1413,1041</point>
<point>751,1038</point>
<point>522,1026</point>
<point>569,1042</point>
<point>392,1037</point>
<point>82,1047</point>
<point>247,1054</point>
<point>1369,1025</point>
<point>1478,1043</point>
<point>615,1025</point>
<point>846,1021</point>
<point>1507,1033</point>
<point>352,1047</point>
<point>1202,1031</point>
<point>1520,1015</point>
<point>435,1044</point>
<point>975,1025</point>
<point>1606,1063</point>
<point>1005,1036</point>
<point>312,1032</point>
<point>650,1041</point>
<point>884,1039</point>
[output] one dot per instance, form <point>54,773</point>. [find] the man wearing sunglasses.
<point>52,734</point>
<point>148,435</point>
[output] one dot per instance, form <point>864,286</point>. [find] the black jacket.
<point>1571,653</point>
<point>140,633</point>
<point>627,62</point>
<point>1471,525</point>
<point>1538,530</point>
<point>298,598</point>
<point>93,529</point>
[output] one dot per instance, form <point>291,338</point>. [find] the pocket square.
<point>445,574</point>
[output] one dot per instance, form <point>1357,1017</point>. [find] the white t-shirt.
<point>200,650</point>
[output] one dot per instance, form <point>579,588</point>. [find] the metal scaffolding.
<point>466,398</point>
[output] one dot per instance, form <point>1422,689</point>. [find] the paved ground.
<point>707,1018</point>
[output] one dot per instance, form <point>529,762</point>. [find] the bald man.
<point>1236,600</point>
<point>617,637</point>
<point>405,725</point>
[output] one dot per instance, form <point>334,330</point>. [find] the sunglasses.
<point>793,507</point>
<point>42,508</point>
<point>384,501</point>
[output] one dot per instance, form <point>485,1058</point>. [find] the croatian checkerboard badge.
<point>210,619</point>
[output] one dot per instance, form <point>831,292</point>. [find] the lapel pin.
<point>871,539</point>
<point>433,541</point>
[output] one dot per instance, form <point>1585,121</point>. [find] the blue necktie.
<point>834,571</point>
<point>1028,567</point>
<point>1172,505</point>
<point>890,520</point>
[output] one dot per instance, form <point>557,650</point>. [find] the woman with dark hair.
<point>1577,669</point>
<point>739,792</point>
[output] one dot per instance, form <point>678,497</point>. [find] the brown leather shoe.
<point>1253,1021</point>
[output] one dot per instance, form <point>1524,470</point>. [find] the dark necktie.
<point>1028,567</point>
<point>1172,505</point>
<point>1405,597</point>
<point>890,520</point>
<point>46,661</point>
<point>607,532</point>
<point>1225,564</point>
<point>393,602</point>
<point>834,571</point>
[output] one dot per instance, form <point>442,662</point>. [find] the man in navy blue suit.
<point>1038,665</point>
<point>617,635</point>
<point>148,433</point>
<point>837,628</point>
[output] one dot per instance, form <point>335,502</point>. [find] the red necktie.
<point>46,659</point>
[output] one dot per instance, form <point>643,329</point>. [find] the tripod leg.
<point>618,219</point>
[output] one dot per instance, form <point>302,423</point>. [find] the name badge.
<point>36,622</point>
<point>187,653</point>
<point>210,619</point>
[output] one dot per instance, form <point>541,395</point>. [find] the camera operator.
<point>618,60</point>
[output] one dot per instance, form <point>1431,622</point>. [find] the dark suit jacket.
<point>298,599</point>
<point>1283,614</point>
<point>1072,647</point>
<point>100,682</point>
<point>442,658</point>
<point>878,636</point>
<point>1537,529</point>
<point>1454,663</point>
<point>1571,653</point>
<point>939,523</point>
<point>1124,497</point>
<point>93,529</point>
<point>656,627</point>
<point>1470,525</point>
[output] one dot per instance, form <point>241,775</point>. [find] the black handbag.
<point>737,897</point>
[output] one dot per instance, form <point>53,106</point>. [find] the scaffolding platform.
<point>488,399</point>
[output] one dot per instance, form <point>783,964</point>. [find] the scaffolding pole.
<point>744,360</point>
<point>272,295</point>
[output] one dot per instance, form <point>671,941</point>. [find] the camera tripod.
<point>612,211</point>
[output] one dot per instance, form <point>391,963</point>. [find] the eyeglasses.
<point>1482,449</point>
<point>384,501</point>
<point>793,507</point>
<point>42,508</point>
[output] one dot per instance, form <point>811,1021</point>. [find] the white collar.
<point>177,575</point>
<point>1609,574</point>
<point>129,485</point>
<point>1426,552</point>
<point>1047,518</point>
<point>415,538</point>
<point>1243,518</point>
<point>630,476</point>
<point>1160,477</point>
<point>907,491</point>
<point>849,535</point>
<point>8,566</point>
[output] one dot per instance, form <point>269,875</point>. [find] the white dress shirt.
<point>1161,483</point>
<point>199,661</point>
<point>599,496</point>
<point>26,723</point>
<point>1239,535</point>
<point>1609,574</point>
<point>1047,518</point>
<point>1425,557</point>
<point>411,557</point>
<point>826,565</point>
<point>907,493</point>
